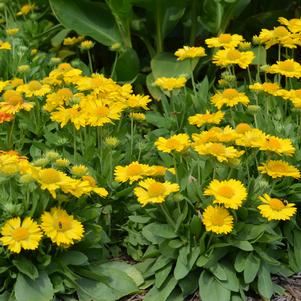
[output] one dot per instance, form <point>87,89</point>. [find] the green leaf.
<point>260,56</point>
<point>243,245</point>
<point>252,265</point>
<point>218,271</point>
<point>185,261</point>
<point>73,258</point>
<point>59,37</point>
<point>195,225</point>
<point>158,120</point>
<point>166,65</point>
<point>161,230</point>
<point>26,267</point>
<point>161,294</point>
<point>39,289</point>
<point>240,261</point>
<point>127,66</point>
<point>265,284</point>
<point>162,275</point>
<point>88,18</point>
<point>211,290</point>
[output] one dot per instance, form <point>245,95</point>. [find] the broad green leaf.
<point>211,290</point>
<point>252,265</point>
<point>166,65</point>
<point>185,261</point>
<point>162,275</point>
<point>39,289</point>
<point>240,261</point>
<point>127,66</point>
<point>232,282</point>
<point>161,294</point>
<point>26,267</point>
<point>260,56</point>
<point>88,18</point>
<point>58,39</point>
<point>74,258</point>
<point>265,284</point>
<point>218,271</point>
<point>243,245</point>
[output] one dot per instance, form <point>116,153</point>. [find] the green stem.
<point>192,77</point>
<point>159,38</point>
<point>10,135</point>
<point>167,215</point>
<point>175,166</point>
<point>74,144</point>
<point>132,137</point>
<point>90,61</point>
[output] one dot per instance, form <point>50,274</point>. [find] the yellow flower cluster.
<point>229,97</point>
<point>177,143</point>
<point>287,35</point>
<point>207,118</point>
<point>188,52</point>
<point>171,83</point>
<point>58,225</point>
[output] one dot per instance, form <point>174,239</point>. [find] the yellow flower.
<point>137,116</point>
<point>13,102</point>
<point>34,51</point>
<point>5,45</point>
<point>11,31</point>
<point>226,57</point>
<point>79,170</point>
<point>278,168</point>
<point>188,52</point>
<point>111,141</point>
<point>34,88</point>
<point>156,170</point>
<point>231,193</point>
<point>218,150</point>
<point>171,83</point>
<point>61,228</point>
<point>242,128</point>
<point>151,191</point>
<point>138,101</point>
<point>271,88</point>
<point>217,220</point>
<point>251,138</point>
<point>62,162</point>
<point>102,192</point>
<point>294,25</point>
<point>275,209</point>
<point>277,145</point>
<point>201,119</point>
<point>178,143</point>
<point>19,235</point>
<point>288,68</point>
<point>206,136</point>
<point>86,45</point>
<point>26,9</point>
<point>132,172</point>
<point>225,40</point>
<point>73,40</point>
<point>23,68</point>
<point>4,117</point>
<point>229,97</point>
<point>57,99</point>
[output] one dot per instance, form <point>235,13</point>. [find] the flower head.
<point>178,143</point>
<point>171,83</point>
<point>225,40</point>
<point>288,68</point>
<point>217,220</point>
<point>61,227</point>
<point>19,235</point>
<point>132,172</point>
<point>188,52</point>
<point>230,98</point>
<point>231,193</point>
<point>201,119</point>
<point>275,209</point>
<point>278,168</point>
<point>151,191</point>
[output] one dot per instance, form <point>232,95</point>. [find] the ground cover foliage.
<point>193,178</point>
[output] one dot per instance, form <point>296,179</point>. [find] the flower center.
<point>217,220</point>
<point>298,93</point>
<point>273,143</point>
<point>233,54</point>
<point>287,66</point>
<point>12,97</point>
<point>20,234</point>
<point>65,93</point>
<point>50,176</point>
<point>134,170</point>
<point>225,38</point>
<point>172,143</point>
<point>270,86</point>
<point>217,148</point>
<point>63,223</point>
<point>34,85</point>
<point>102,111</point>
<point>280,32</point>
<point>242,128</point>
<point>226,192</point>
<point>276,204</point>
<point>230,93</point>
<point>277,166</point>
<point>156,189</point>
